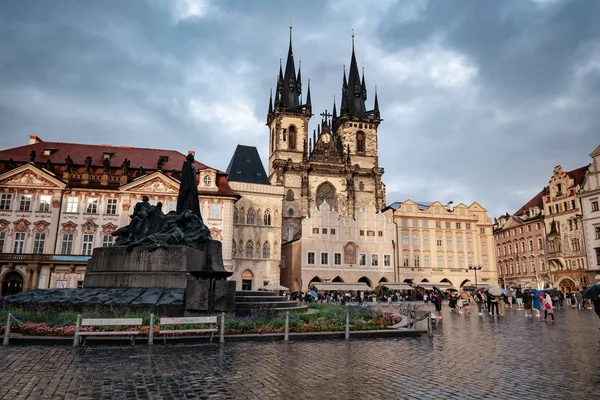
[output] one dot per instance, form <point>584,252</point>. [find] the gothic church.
<point>339,164</point>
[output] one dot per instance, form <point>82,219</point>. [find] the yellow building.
<point>438,243</point>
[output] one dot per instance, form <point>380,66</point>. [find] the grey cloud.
<point>126,71</point>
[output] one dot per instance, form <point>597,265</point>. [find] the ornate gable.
<point>153,183</point>
<point>41,226</point>
<point>21,225</point>
<point>109,228</point>
<point>69,227</point>
<point>4,225</point>
<point>30,177</point>
<point>89,227</point>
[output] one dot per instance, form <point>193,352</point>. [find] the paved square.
<point>471,356</point>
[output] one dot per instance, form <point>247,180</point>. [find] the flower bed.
<point>325,318</point>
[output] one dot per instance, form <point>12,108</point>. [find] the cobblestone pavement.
<point>471,356</point>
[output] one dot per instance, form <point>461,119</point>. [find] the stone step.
<point>255,293</point>
<point>297,308</point>
<point>265,304</point>
<point>245,299</point>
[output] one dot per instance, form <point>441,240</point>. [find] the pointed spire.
<point>308,101</point>
<point>334,116</point>
<point>290,90</point>
<point>299,78</point>
<point>310,146</point>
<point>319,129</point>
<point>271,102</point>
<point>344,105</point>
<point>354,94</point>
<point>376,108</point>
<point>277,92</point>
<point>362,85</point>
<point>314,137</point>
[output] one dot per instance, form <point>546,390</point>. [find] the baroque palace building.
<point>58,201</point>
<point>339,164</point>
<point>553,255</point>
<point>520,240</point>
<point>438,243</point>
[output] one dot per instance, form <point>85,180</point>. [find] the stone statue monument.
<point>173,250</point>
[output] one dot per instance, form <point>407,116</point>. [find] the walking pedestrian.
<point>548,309</point>
<point>479,301</point>
<point>519,299</point>
<point>493,304</point>
<point>528,303</point>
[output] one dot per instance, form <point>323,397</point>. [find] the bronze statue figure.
<point>69,163</point>
<point>88,164</point>
<point>188,189</point>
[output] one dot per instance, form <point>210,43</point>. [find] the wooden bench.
<point>187,321</point>
<point>137,322</point>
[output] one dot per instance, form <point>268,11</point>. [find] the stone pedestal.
<point>117,267</point>
<point>209,295</point>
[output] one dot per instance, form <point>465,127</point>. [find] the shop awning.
<point>341,286</point>
<point>396,286</point>
<point>430,285</point>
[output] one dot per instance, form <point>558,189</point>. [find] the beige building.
<point>256,242</point>
<point>520,241</point>
<point>336,247</point>
<point>438,243</point>
<point>564,230</point>
<point>590,198</point>
<point>58,201</point>
<point>338,164</point>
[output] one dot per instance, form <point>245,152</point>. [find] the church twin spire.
<point>289,90</point>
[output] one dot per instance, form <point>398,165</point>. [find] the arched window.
<point>360,142</point>
<point>235,215</point>
<point>249,249</point>
<point>266,250</point>
<point>241,216</point>
<point>326,193</point>
<point>291,212</point>
<point>289,195</point>
<point>250,217</point>
<point>233,249</point>
<point>292,138</point>
<point>361,186</point>
<point>267,218</point>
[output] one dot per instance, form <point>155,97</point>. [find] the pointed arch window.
<point>233,248</point>
<point>249,249</point>
<point>289,195</point>
<point>241,216</point>
<point>235,215</point>
<point>250,217</point>
<point>360,142</point>
<point>292,138</point>
<point>266,250</point>
<point>267,218</point>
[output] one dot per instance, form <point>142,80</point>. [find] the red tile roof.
<point>138,157</point>
<point>536,201</point>
<point>578,175</point>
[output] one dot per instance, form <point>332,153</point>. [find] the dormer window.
<point>107,156</point>
<point>49,152</point>
<point>163,159</point>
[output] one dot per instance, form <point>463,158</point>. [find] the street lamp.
<point>475,268</point>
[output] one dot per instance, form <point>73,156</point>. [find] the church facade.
<point>338,164</point>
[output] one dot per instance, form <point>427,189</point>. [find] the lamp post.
<point>475,268</point>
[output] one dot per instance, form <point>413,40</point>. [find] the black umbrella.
<point>592,292</point>
<point>515,287</point>
<point>554,292</point>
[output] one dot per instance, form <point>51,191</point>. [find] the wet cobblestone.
<point>471,356</point>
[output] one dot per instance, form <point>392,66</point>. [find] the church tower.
<point>339,164</point>
<point>357,126</point>
<point>287,120</point>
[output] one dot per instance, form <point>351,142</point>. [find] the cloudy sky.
<point>480,99</point>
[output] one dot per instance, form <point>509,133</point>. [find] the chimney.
<point>33,139</point>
